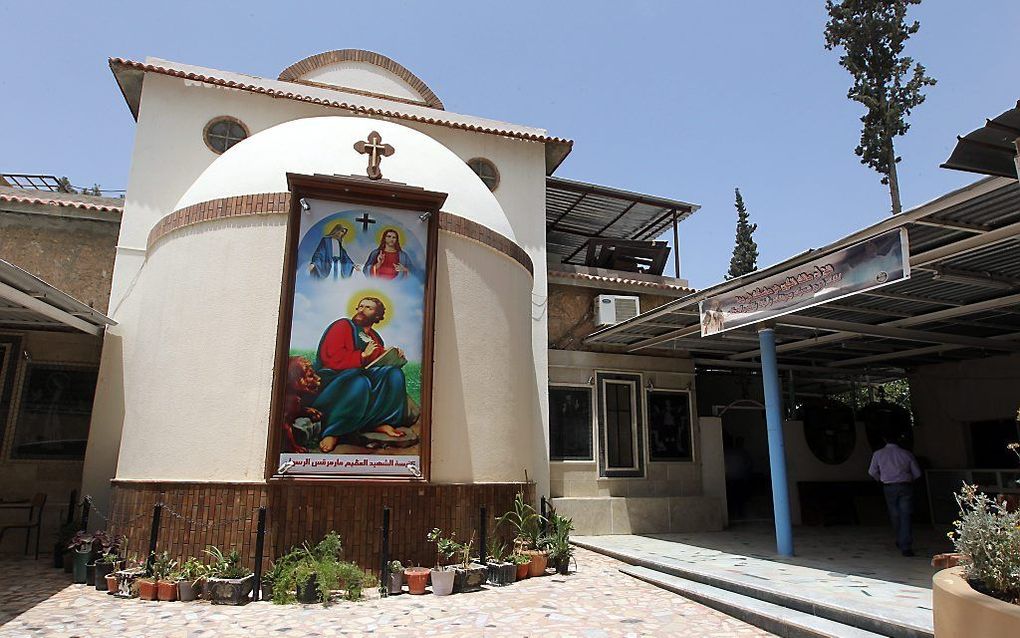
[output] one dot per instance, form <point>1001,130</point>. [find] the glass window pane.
<point>669,426</point>
<point>619,425</point>
<point>570,423</point>
<point>56,408</point>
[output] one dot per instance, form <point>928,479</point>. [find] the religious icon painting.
<point>351,402</point>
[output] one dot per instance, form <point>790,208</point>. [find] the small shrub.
<point>988,536</point>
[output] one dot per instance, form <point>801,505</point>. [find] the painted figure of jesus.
<point>357,396</point>
<point>388,261</point>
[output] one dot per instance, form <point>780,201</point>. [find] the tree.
<point>745,251</point>
<point>872,34</point>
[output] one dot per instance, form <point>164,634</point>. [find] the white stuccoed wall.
<point>170,154</point>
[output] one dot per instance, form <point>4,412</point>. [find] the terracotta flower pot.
<point>166,591</point>
<point>147,589</point>
<point>417,579</point>
<point>523,570</point>
<point>960,610</point>
<point>112,584</point>
<point>539,561</point>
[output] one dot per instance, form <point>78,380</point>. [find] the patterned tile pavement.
<point>595,602</point>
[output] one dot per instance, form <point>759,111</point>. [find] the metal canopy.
<point>576,212</point>
<point>991,149</point>
<point>29,303</point>
<point>961,302</point>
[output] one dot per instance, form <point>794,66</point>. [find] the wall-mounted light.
<point>649,385</point>
<point>591,380</point>
<point>424,217</point>
<point>304,204</point>
<point>27,355</point>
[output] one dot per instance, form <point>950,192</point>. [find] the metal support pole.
<point>777,454</point>
<point>157,511</point>
<point>385,571</point>
<point>483,524</point>
<point>676,248</point>
<point>86,505</point>
<point>544,520</point>
<point>260,543</point>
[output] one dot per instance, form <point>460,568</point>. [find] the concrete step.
<point>776,619</point>
<point>875,619</point>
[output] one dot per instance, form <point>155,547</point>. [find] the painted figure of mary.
<point>330,256</point>
<point>388,261</point>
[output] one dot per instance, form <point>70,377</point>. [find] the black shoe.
<point>909,553</point>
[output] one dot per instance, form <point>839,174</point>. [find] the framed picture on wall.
<point>55,412</point>
<point>670,435</point>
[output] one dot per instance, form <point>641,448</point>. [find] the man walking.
<point>897,469</point>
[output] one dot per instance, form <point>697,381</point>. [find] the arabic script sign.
<point>875,262</point>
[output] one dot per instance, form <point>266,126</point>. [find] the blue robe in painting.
<point>325,262</point>
<point>354,398</point>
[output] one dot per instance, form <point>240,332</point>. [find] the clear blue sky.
<point>685,100</point>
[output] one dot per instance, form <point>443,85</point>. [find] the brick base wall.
<point>223,514</point>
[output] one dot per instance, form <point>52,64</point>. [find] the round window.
<point>830,430</point>
<point>223,132</point>
<point>486,171</point>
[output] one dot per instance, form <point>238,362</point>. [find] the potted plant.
<point>189,577</point>
<point>470,575</point>
<point>396,577</point>
<point>560,549</point>
<point>529,539</point>
<point>417,579</point>
<point>105,566</point>
<point>522,563</point>
<point>311,574</point>
<point>81,548</point>
<point>62,556</point>
<point>501,571</point>
<point>442,576</point>
<point>228,582</point>
<point>164,572</point>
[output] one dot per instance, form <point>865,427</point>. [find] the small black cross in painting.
<point>365,220</point>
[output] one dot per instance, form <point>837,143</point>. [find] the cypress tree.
<point>745,251</point>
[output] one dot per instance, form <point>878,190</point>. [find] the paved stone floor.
<point>597,601</point>
<point>854,568</point>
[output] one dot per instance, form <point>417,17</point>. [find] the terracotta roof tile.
<point>71,200</point>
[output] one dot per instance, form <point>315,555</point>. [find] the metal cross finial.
<point>375,150</point>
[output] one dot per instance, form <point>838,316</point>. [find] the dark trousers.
<point>899,499</point>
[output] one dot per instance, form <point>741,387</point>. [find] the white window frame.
<point>635,380</point>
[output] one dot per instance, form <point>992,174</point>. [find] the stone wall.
<point>71,253</point>
<point>572,317</point>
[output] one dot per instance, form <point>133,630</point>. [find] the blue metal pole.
<point>777,453</point>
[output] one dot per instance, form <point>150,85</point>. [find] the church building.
<point>331,295</point>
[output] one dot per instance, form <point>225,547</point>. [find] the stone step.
<point>776,619</point>
<point>875,619</point>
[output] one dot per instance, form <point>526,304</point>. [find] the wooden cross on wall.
<point>375,150</point>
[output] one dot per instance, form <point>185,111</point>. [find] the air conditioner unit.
<point>610,309</point>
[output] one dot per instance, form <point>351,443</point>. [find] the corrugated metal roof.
<point>965,284</point>
<point>578,211</point>
<point>29,303</point>
<point>991,149</point>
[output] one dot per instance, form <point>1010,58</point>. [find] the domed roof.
<point>325,146</point>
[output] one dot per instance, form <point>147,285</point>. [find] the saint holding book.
<point>363,384</point>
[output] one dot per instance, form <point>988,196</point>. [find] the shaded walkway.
<point>853,575</point>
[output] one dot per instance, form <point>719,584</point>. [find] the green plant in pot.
<point>106,565</point>
<point>470,575</point>
<point>395,577</point>
<point>443,577</point>
<point>501,571</point>
<point>311,574</point>
<point>528,527</point>
<point>81,549</point>
<point>228,581</point>
<point>62,556</point>
<point>560,549</point>
<point>522,564</point>
<point>190,575</point>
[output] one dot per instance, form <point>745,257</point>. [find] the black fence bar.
<point>157,511</point>
<point>483,524</point>
<point>544,521</point>
<point>85,506</point>
<point>260,543</point>
<point>71,504</point>
<point>384,581</point>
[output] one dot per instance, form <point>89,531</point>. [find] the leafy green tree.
<point>889,85</point>
<point>745,251</point>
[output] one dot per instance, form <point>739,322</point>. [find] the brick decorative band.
<point>240,206</point>
<point>196,515</point>
<point>279,204</point>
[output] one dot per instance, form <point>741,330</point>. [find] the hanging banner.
<point>357,346</point>
<point>870,264</point>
